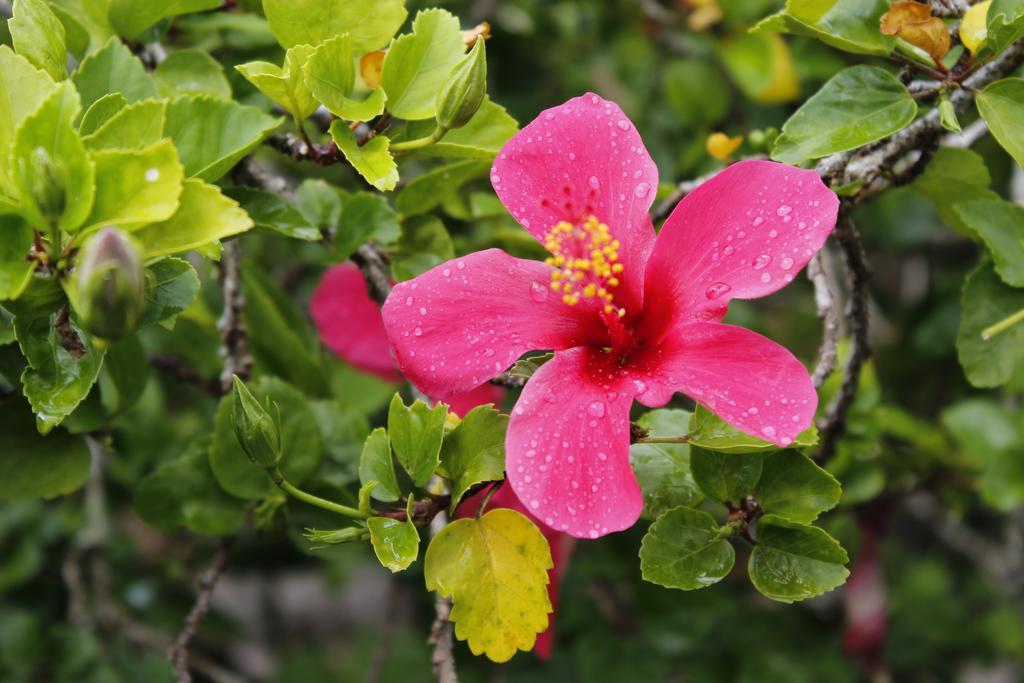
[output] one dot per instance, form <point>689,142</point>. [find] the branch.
<point>179,653</point>
<point>825,301</point>
<point>857,276</point>
<point>234,346</point>
<point>174,367</point>
<point>373,263</point>
<point>443,657</point>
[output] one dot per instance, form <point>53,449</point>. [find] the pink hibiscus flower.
<point>350,324</point>
<point>630,315</point>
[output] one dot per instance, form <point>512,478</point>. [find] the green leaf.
<point>858,105</point>
<point>365,216</point>
<point>281,348</point>
<point>35,467</point>
<point>481,138</point>
<point>1005,25</point>
<point>685,549</point>
<point>947,114</point>
<point>56,379</point>
<point>495,569</point>
<point>284,85</point>
<point>344,430</point>
<point>213,135</point>
<point>39,36</point>
<point>331,75</point>
<point>68,171</point>
<point>526,367</point>
<point>418,64</point>
<point>300,441</point>
<point>376,464</point>
<point>416,432</point>
<point>425,243</point>
<point>204,215</point>
<point>125,373</point>
<point>373,160</point>
<point>274,212</point>
<point>707,430</point>
<point>474,451</point>
<point>987,301</point>
<point>1001,225</point>
<point>762,67</point>
<point>425,192</point>
<point>171,286</point>
<point>22,89</point>
<point>85,24</point>
<point>663,469</point>
<point>112,68</point>
<point>794,562</point>
<point>992,438</point>
<point>183,492</point>
<point>793,487</point>
<point>1001,104</point>
<point>725,477</point>
<point>100,112</point>
<point>136,188</point>
<point>135,126</point>
<point>849,26</point>
<point>131,18</point>
<point>191,72</point>
<point>16,238</point>
<point>954,175</point>
<point>319,202</point>
<point>371,23</point>
<point>396,543</point>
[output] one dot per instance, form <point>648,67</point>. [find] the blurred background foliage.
<point>931,468</point>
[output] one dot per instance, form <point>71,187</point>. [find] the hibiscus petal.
<point>743,234</point>
<point>567,448</point>
<point>748,380</point>
<point>349,322</point>
<point>461,323</point>
<point>578,159</point>
<point>461,404</point>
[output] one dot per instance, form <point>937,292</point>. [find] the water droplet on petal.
<point>768,431</point>
<point>623,124</point>
<point>538,292</point>
<point>786,263</point>
<point>408,301</point>
<point>594,182</point>
<point>602,456</point>
<point>418,331</point>
<point>784,210</point>
<point>641,190</point>
<point>762,261</point>
<point>766,277</point>
<point>596,408</point>
<point>716,290</point>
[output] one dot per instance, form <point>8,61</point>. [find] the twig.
<point>174,367</point>
<point>509,381</point>
<point>968,136</point>
<point>234,345</point>
<point>179,653</point>
<point>441,635</point>
<point>373,263</point>
<point>857,275</point>
<point>825,302</point>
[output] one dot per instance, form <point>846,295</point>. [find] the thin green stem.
<point>1003,325</point>
<point>409,145</point>
<point>315,501</point>
<point>685,438</point>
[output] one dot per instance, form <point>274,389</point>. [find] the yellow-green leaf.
<point>284,85</point>
<point>136,187</point>
<point>373,160</point>
<point>496,571</point>
<point>204,215</point>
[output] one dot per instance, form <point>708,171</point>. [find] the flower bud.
<point>334,536</point>
<point>48,192</point>
<point>111,285</point>
<point>255,427</point>
<point>464,91</point>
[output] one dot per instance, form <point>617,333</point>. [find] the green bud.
<point>257,427</point>
<point>464,91</point>
<point>346,535</point>
<point>48,192</point>
<point>111,285</point>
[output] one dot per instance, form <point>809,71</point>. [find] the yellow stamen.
<point>584,254</point>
